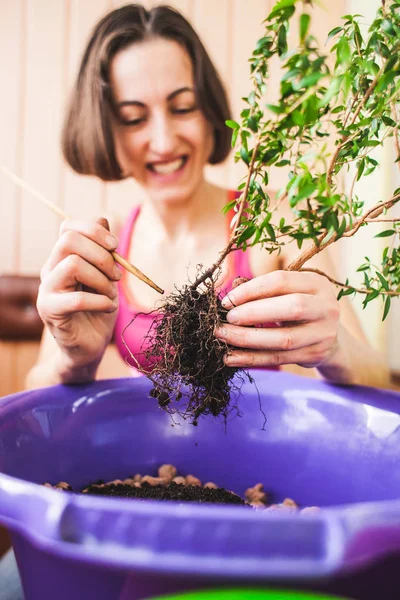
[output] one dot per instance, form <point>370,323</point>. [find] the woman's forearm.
<point>355,363</point>
<point>59,369</point>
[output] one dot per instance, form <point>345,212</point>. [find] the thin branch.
<point>353,183</point>
<point>345,139</point>
<point>396,132</point>
<point>233,237</point>
<point>351,287</point>
<point>351,229</point>
<point>279,202</point>
<point>382,220</point>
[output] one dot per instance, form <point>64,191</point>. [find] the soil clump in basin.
<point>171,486</point>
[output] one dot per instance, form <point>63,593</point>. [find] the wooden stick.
<point>57,210</point>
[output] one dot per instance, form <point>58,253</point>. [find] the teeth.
<point>167,168</point>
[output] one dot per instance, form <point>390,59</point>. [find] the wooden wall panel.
<point>43,101</point>
<point>246,27</point>
<point>12,49</point>
<point>213,21</point>
<point>83,197</point>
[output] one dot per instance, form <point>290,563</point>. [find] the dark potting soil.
<point>172,491</point>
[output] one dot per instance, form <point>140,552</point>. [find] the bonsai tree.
<point>348,95</point>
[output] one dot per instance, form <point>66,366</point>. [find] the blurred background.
<point>41,42</point>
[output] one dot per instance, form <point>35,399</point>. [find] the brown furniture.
<point>20,332</point>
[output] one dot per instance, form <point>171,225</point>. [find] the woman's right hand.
<point>78,297</point>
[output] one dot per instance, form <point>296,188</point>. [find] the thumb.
<point>103,222</point>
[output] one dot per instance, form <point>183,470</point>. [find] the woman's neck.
<point>176,220</point>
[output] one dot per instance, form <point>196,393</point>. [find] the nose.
<point>162,136</point>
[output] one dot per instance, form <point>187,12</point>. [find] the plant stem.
<point>348,287</point>
<point>351,229</point>
<point>357,112</point>
<point>209,272</point>
<point>396,133</point>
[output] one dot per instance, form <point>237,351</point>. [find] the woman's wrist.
<point>354,362</point>
<point>60,369</point>
<point>337,369</point>
<point>69,370</point>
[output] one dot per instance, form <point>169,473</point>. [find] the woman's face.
<point>162,138</point>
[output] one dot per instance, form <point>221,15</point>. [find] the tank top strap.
<point>240,259</point>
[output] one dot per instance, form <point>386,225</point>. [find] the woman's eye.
<point>183,111</point>
<point>132,122</point>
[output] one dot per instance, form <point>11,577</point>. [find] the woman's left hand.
<point>283,317</point>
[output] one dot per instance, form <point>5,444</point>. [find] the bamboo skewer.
<point>57,210</point>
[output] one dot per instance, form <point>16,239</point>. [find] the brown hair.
<point>87,140</point>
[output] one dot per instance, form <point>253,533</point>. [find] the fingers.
<point>73,242</point>
<point>103,222</point>
<point>61,305</point>
<point>294,307</point>
<point>74,270</point>
<point>272,339</point>
<point>312,356</point>
<point>277,283</point>
<point>93,231</point>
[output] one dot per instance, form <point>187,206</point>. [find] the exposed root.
<point>188,371</point>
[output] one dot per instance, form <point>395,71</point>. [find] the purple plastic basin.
<point>322,445</point>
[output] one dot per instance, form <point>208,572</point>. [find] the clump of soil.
<point>171,486</point>
<point>172,491</point>
<point>185,353</point>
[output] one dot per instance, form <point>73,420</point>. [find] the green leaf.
<point>251,98</point>
<point>232,124</point>
<point>228,206</point>
<point>331,92</point>
<point>387,27</point>
<point>271,231</point>
<point>244,156</point>
<point>388,121</point>
<point>275,109</point>
<point>342,228</point>
<point>298,118</point>
<point>386,308</point>
<point>282,4</point>
<point>361,167</point>
<point>386,233</point>
<point>252,123</point>
<point>247,234</point>
<point>333,32</point>
<point>371,296</point>
<point>343,51</point>
<point>282,40</point>
<point>383,281</point>
<point>304,25</point>
<point>345,292</point>
<point>304,192</point>
<point>234,137</point>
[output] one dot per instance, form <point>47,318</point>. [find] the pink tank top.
<point>135,335</point>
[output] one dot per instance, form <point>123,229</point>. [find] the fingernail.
<point>111,242</point>
<point>220,332</point>
<point>232,316</point>
<point>229,360</point>
<point>227,302</point>
<point>117,273</point>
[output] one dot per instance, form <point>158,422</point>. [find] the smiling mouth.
<point>166,168</point>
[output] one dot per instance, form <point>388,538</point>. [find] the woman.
<point>149,104</point>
